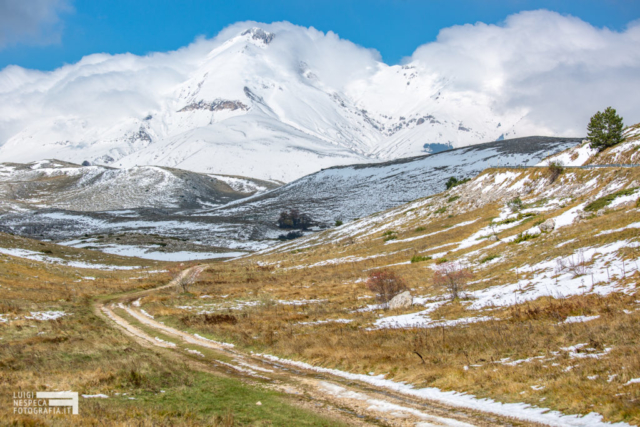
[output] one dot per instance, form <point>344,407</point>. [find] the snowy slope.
<point>63,185</point>
<point>345,193</point>
<point>348,192</point>
<point>266,104</point>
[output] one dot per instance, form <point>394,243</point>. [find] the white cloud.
<point>558,68</point>
<point>31,21</point>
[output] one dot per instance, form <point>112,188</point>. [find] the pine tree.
<point>605,129</point>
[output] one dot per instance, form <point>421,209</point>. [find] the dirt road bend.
<point>356,403</point>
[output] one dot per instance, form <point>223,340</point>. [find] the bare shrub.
<point>515,204</point>
<point>453,277</point>
<point>184,279</point>
<point>386,284</point>
<point>209,319</point>
<point>554,169</point>
<point>576,264</point>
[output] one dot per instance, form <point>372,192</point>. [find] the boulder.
<point>493,238</point>
<point>402,300</point>
<point>547,226</point>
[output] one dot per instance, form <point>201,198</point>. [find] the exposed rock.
<point>402,300</point>
<point>86,163</point>
<point>259,34</point>
<point>547,226</point>
<point>493,238</point>
<point>217,105</point>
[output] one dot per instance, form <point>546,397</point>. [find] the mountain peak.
<point>259,34</point>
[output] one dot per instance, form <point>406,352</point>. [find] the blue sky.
<point>72,29</point>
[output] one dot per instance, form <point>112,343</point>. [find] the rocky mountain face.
<point>258,104</point>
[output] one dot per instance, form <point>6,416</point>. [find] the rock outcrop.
<point>402,300</point>
<point>547,226</point>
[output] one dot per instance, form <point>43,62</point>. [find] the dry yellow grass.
<point>252,290</point>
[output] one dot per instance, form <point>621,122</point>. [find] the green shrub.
<point>489,258</point>
<point>389,235</point>
<point>507,221</point>
<point>441,210</point>
<point>338,223</point>
<point>602,202</point>
<point>523,237</point>
<point>515,204</point>
<point>454,182</point>
<point>452,199</point>
<point>418,258</point>
<point>419,229</point>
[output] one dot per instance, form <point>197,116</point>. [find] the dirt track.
<point>353,402</point>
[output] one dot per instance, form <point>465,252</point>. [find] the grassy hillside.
<point>52,339</point>
<point>547,314</point>
<point>549,317</point>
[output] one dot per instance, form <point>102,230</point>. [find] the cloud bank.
<point>558,70</point>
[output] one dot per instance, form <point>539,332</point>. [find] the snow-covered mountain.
<point>265,103</point>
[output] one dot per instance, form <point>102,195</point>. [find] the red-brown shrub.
<point>386,284</point>
<point>453,277</point>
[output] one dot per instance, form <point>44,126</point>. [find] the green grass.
<point>602,202</point>
<point>418,258</point>
<point>441,210</point>
<point>489,258</point>
<point>507,221</point>
<point>389,235</point>
<point>452,199</point>
<point>419,229</point>
<point>523,237</point>
<point>205,397</point>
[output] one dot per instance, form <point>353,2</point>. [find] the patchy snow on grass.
<point>146,314</point>
<point>579,319</point>
<point>223,344</point>
<point>568,217</point>
<point>621,200</point>
<point>320,322</point>
<point>522,411</point>
<point>576,156</point>
<point>46,315</point>
<point>148,253</point>
<point>462,224</point>
<point>581,351</point>
<point>617,230</point>
<point>604,270</point>
<point>37,256</point>
<point>95,396</point>
<point>196,352</point>
<point>633,381</point>
<point>170,344</point>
